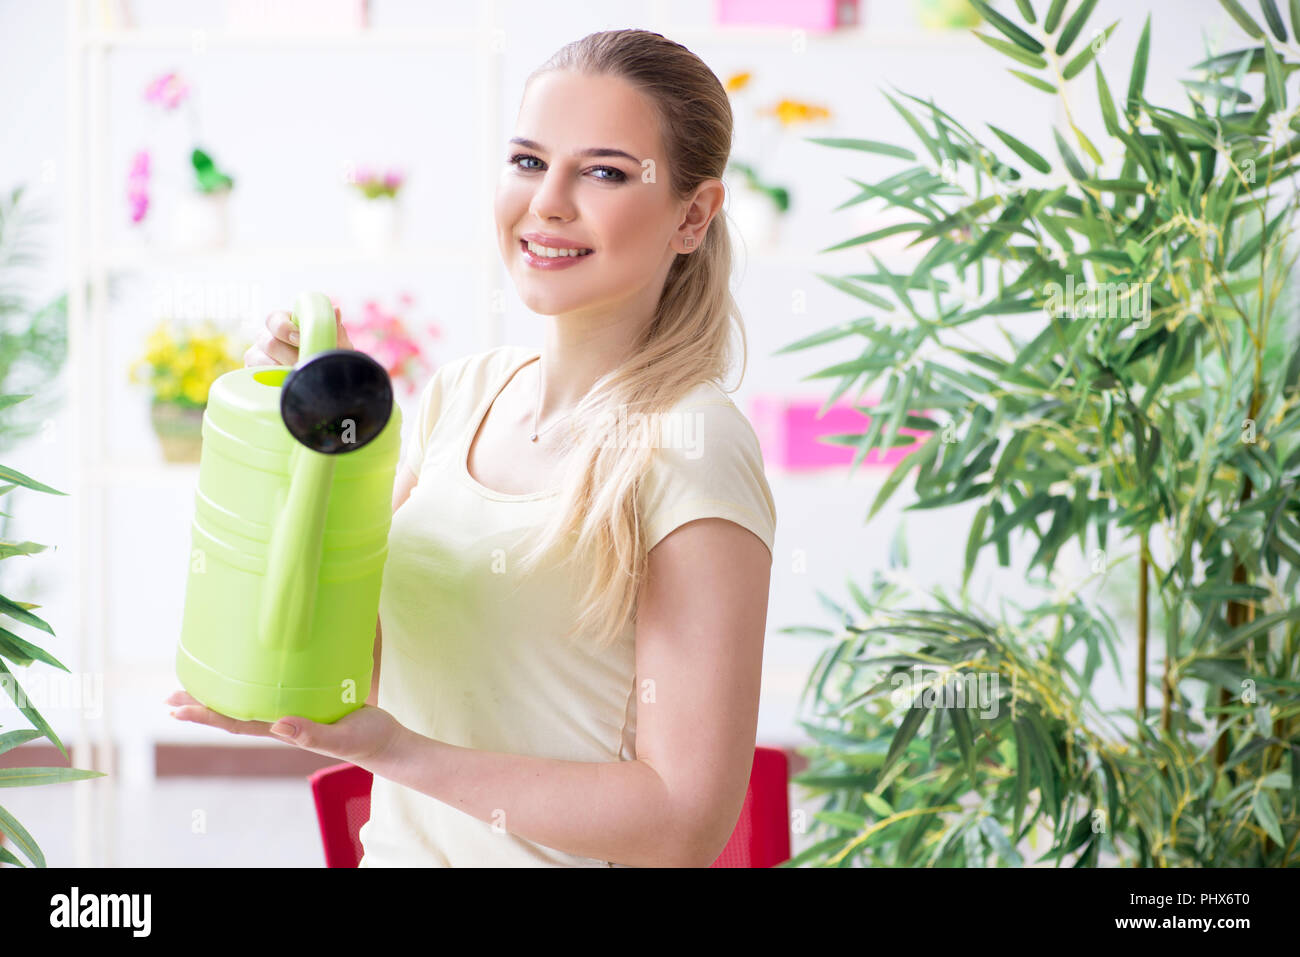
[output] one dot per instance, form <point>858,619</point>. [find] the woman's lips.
<point>550,262</point>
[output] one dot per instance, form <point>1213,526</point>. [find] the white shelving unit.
<point>92,260</point>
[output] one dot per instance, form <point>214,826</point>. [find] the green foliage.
<point>207,176</point>
<point>33,338</point>
<point>1106,357</point>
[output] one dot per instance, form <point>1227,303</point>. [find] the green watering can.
<point>290,531</point>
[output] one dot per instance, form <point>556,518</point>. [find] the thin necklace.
<point>538,407</point>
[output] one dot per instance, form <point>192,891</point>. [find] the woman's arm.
<point>699,655</point>
<point>402,487</point>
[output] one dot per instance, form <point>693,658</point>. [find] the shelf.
<point>143,258</point>
<point>199,39</point>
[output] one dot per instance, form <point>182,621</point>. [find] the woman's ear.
<point>703,206</point>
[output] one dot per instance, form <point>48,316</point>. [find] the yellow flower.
<point>738,81</point>
<point>790,112</point>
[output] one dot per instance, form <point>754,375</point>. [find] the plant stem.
<point>1142,631</point>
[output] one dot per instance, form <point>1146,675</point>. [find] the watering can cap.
<point>336,401</point>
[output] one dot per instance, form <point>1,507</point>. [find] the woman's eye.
<point>614,175</point>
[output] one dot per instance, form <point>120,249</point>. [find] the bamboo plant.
<point>1100,354</point>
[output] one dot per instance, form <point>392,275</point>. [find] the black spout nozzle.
<point>337,401</point>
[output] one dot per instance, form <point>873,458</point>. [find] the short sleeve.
<point>430,406</point>
<point>708,464</point>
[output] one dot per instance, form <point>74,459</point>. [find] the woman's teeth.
<point>552,252</point>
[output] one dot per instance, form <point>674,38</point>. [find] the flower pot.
<point>200,220</point>
<point>755,217</point>
<point>375,222</point>
<point>180,430</point>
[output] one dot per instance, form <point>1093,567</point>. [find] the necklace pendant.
<point>533,437</point>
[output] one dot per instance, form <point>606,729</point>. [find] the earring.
<point>690,242</point>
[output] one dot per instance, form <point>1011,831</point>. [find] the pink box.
<point>809,14</point>
<point>788,431</point>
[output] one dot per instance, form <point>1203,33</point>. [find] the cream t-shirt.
<point>475,654</point>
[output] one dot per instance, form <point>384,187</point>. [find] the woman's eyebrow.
<point>592,151</point>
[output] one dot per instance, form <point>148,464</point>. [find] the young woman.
<point>575,597</point>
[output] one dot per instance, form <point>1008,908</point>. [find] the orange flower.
<point>790,112</point>
<point>738,81</point>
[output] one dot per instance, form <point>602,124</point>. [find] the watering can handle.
<point>293,558</point>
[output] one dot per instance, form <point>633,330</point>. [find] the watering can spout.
<point>334,401</point>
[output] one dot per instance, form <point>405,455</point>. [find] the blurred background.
<point>187,167</point>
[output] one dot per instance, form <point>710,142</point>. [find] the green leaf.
<point>1262,807</point>
<point>1108,114</point>
<point>7,857</point>
<point>1013,51</point>
<point>1295,17</point>
<point>912,720</point>
<point>21,839</point>
<point>1276,84</point>
<point>876,234</point>
<point>19,613</point>
<point>30,777</point>
<point>993,831</point>
<point>1036,82</point>
<point>1076,66</point>
<point>1026,10</point>
<point>1243,18</point>
<point>1138,75</point>
<point>18,478</point>
<point>866,146</point>
<point>879,806</point>
<point>1007,28</point>
<point>1073,26</point>
<point>974,540</point>
<point>10,549</point>
<point>14,738</point>
<point>1021,150</point>
<point>866,295</point>
<point>1053,17</point>
<point>1067,155</point>
<point>843,820</point>
<point>8,400</point>
<point>15,691</point>
<point>1274,19</point>
<point>23,653</point>
<point>921,456</point>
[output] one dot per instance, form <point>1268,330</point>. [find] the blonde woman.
<point>571,625</point>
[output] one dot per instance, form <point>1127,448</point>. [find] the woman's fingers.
<point>191,709</point>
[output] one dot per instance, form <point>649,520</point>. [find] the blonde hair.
<point>598,528</point>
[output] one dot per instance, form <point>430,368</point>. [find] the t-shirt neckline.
<point>476,422</point>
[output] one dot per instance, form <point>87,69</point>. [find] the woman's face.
<point>618,205</point>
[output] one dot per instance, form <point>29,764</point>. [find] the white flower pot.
<point>201,220</point>
<point>755,217</point>
<point>376,222</point>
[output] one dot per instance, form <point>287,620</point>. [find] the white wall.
<point>284,120</point>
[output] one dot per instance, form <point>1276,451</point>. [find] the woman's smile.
<point>548,257</point>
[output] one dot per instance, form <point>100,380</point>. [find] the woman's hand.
<point>277,345</point>
<point>363,736</point>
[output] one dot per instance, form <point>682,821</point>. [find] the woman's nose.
<point>551,200</point>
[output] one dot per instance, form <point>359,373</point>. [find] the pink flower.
<point>393,179</point>
<point>137,186</point>
<point>167,90</point>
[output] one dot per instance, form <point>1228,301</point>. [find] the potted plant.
<point>200,218</point>
<point>1108,351</point>
<point>755,206</point>
<point>374,210</point>
<point>384,335</point>
<point>180,367</point>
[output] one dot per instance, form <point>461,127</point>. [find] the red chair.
<point>761,837</point>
